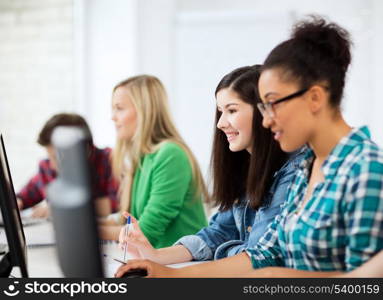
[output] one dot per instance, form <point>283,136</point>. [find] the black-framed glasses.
<point>268,108</point>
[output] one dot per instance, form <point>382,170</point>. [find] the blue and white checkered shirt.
<point>341,225</point>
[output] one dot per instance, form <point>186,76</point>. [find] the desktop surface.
<point>42,253</point>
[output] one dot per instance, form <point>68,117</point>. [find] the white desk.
<point>43,260</point>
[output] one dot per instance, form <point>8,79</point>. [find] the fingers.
<point>122,235</point>
<point>121,238</point>
<point>131,265</point>
<point>40,212</point>
<point>134,253</point>
<point>126,215</point>
<point>131,241</point>
<point>132,238</point>
<point>133,235</point>
<point>136,227</point>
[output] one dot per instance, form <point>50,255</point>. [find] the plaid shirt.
<point>103,183</point>
<point>341,225</point>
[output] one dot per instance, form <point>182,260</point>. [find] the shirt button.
<point>249,229</point>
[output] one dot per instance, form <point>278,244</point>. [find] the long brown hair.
<point>238,174</point>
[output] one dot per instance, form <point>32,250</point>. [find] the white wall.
<point>204,40</point>
<point>36,75</point>
<point>106,46</point>
<point>68,54</point>
<point>207,46</point>
<point>376,75</point>
<point>60,55</point>
<point>155,39</point>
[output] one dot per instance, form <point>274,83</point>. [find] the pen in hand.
<point>126,233</point>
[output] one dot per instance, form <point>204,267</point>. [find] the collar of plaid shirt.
<point>338,154</point>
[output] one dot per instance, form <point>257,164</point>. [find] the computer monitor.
<point>72,206</point>
<point>17,253</point>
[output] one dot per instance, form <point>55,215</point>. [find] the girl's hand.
<point>136,240</point>
<point>153,269</point>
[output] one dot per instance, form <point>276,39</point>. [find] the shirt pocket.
<point>262,221</point>
<point>316,234</point>
<point>278,192</point>
<point>265,216</point>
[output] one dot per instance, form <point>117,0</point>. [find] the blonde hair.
<point>154,126</point>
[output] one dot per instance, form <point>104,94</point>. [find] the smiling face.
<point>124,114</point>
<point>236,120</point>
<point>293,120</point>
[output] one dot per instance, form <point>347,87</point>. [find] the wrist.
<point>155,255</point>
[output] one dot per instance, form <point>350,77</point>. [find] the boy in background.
<point>104,187</point>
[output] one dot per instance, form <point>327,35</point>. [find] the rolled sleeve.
<point>196,246</point>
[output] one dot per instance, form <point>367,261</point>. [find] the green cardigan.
<point>163,196</point>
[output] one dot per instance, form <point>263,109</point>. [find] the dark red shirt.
<point>104,185</point>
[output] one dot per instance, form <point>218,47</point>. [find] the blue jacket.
<point>231,232</point>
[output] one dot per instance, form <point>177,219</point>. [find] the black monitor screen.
<point>17,255</point>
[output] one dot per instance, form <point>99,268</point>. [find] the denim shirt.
<point>231,232</point>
